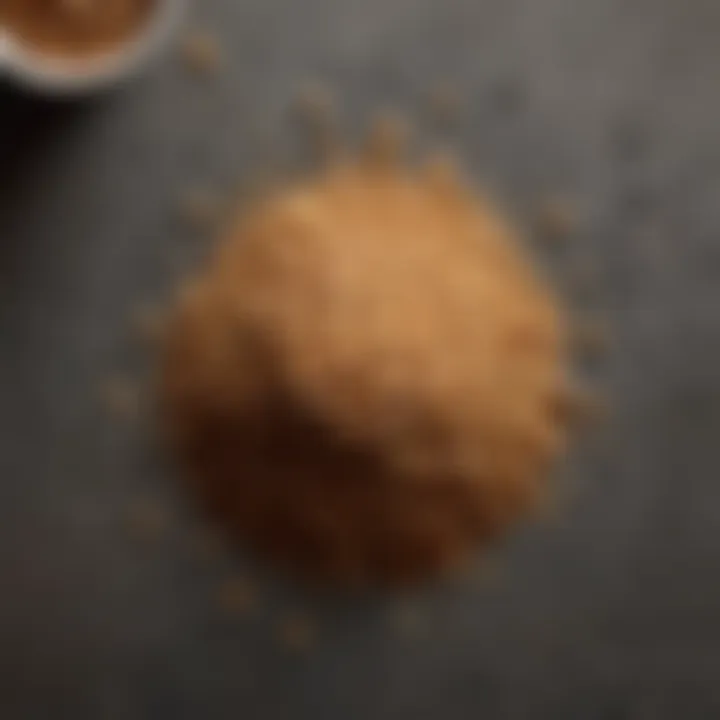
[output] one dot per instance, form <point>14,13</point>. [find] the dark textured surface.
<point>612,612</point>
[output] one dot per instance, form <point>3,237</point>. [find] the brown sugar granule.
<point>237,596</point>
<point>74,27</point>
<point>202,52</point>
<point>296,632</point>
<point>364,381</point>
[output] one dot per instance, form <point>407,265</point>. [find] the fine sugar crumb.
<point>121,397</point>
<point>298,253</point>
<point>297,632</point>
<point>200,207</point>
<point>237,596</point>
<point>147,518</point>
<point>202,52</point>
<point>557,219</point>
<point>148,322</point>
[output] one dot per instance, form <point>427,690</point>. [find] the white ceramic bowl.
<point>51,75</point>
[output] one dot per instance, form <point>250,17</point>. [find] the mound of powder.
<point>74,27</point>
<point>364,382</point>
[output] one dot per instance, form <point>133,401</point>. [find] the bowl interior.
<point>63,74</point>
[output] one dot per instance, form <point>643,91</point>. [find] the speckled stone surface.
<point>610,611</point>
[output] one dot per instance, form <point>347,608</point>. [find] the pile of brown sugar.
<point>365,381</point>
<point>74,27</point>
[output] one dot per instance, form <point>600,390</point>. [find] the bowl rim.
<point>50,74</point>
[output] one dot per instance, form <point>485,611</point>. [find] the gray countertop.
<point>612,610</point>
